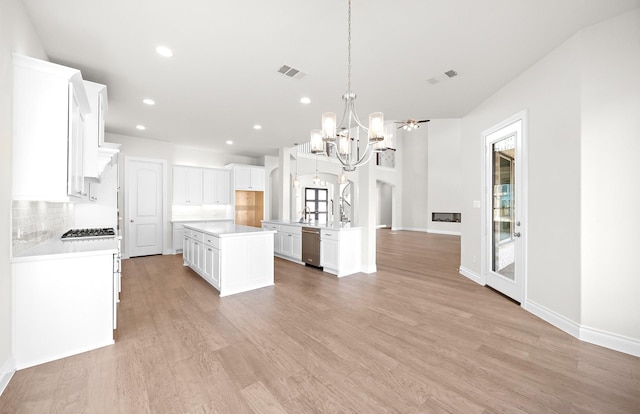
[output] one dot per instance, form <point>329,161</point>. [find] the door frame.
<point>522,159</point>
<point>165,209</point>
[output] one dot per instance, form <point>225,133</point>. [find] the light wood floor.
<point>416,337</point>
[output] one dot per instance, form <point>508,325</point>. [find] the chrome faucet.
<point>306,211</point>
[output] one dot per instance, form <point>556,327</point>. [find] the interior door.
<point>505,200</point>
<point>144,201</point>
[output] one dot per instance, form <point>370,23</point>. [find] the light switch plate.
<point>476,203</point>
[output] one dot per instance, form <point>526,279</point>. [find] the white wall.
<point>610,105</point>
<point>174,155</point>
<point>414,176</point>
<point>575,273</point>
<point>444,172</point>
<point>17,34</point>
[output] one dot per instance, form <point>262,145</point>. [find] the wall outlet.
<point>476,203</point>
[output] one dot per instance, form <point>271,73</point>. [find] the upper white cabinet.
<point>94,127</point>
<point>248,177</point>
<point>197,186</point>
<point>187,185</point>
<point>215,186</point>
<point>49,110</point>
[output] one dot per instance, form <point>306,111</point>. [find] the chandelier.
<point>344,139</point>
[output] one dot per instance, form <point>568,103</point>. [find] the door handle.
<point>516,234</point>
<point>131,220</point>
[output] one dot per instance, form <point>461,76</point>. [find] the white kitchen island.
<point>230,257</point>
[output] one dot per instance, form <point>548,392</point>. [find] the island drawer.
<point>329,235</point>
<point>197,235</point>
<point>211,241</point>
<point>269,226</point>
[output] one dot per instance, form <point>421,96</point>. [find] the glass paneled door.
<point>504,259</point>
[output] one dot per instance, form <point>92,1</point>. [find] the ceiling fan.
<point>411,124</point>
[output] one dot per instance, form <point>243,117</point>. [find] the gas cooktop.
<point>84,234</point>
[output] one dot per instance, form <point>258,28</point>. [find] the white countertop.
<point>334,225</point>
<point>226,229</point>
<point>56,248</point>
<point>191,220</point>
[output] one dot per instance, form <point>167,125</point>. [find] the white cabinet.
<point>215,186</point>
<point>62,306</point>
<point>249,177</point>
<point>49,109</point>
<point>94,127</point>
<point>340,251</point>
<point>75,148</point>
<point>291,243</point>
<point>187,185</point>
<point>232,262</point>
<point>197,186</point>
<point>277,237</point>
<point>211,268</point>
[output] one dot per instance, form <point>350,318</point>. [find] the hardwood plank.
<point>415,337</point>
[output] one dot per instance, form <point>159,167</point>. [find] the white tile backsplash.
<point>34,222</point>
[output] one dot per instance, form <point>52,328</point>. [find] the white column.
<point>284,164</point>
<point>367,208</point>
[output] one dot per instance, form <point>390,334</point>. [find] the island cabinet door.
<point>207,268</point>
<point>215,268</point>
<point>330,254</point>
<point>287,244</point>
<point>296,246</point>
<point>198,256</point>
<point>186,251</point>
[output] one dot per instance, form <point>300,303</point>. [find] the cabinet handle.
<point>210,250</point>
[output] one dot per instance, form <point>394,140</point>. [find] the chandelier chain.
<point>349,52</point>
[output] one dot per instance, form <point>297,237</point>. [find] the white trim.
<point>559,321</point>
<point>6,372</point>
<point>424,230</point>
<point>594,336</point>
<point>522,160</point>
<point>369,269</point>
<point>34,362</point>
<point>610,340</point>
<point>165,207</point>
<point>470,274</point>
<point>446,232</point>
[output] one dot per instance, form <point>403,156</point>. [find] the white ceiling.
<point>222,79</point>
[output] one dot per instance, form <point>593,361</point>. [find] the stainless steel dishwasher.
<point>311,246</point>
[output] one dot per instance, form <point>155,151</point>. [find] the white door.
<point>144,230</point>
<point>505,201</point>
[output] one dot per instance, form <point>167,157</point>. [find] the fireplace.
<point>447,217</point>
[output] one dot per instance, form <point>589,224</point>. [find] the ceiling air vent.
<point>442,77</point>
<point>290,72</point>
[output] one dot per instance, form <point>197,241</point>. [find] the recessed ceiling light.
<point>305,100</point>
<point>256,126</point>
<point>141,127</point>
<point>229,142</point>
<point>148,101</point>
<point>164,51</point>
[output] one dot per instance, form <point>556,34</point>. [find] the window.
<point>316,200</point>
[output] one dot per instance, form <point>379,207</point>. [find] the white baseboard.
<point>412,229</point>
<point>594,336</point>
<point>472,275</point>
<point>28,363</point>
<point>559,321</point>
<point>6,372</point>
<point>449,233</point>
<point>610,340</point>
<point>369,269</point>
